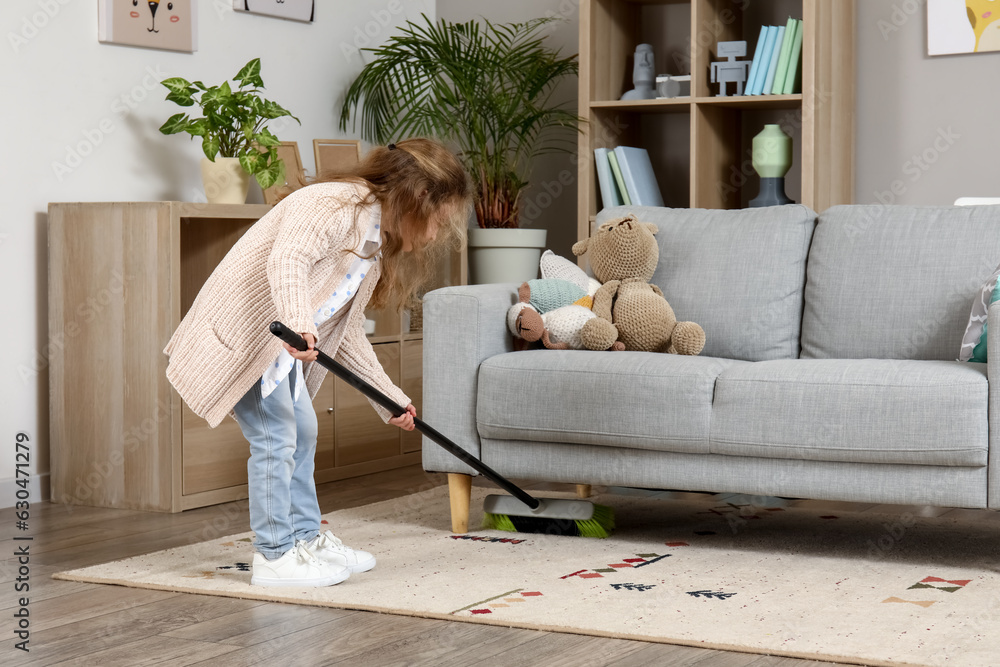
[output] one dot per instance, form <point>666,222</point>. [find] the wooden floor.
<point>85,624</point>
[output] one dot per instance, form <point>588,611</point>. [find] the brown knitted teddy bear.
<point>623,255</point>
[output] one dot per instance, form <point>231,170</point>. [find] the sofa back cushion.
<point>739,274</point>
<point>896,282</point>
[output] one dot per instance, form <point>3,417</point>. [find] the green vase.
<point>772,158</point>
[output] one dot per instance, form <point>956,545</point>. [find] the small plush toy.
<point>557,329</point>
<point>623,255</point>
<point>550,310</point>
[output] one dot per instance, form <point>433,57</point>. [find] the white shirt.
<point>340,298</point>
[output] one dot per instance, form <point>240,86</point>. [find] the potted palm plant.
<point>487,88</point>
<point>233,131</point>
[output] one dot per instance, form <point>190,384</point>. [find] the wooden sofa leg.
<point>460,494</point>
<point>583,490</point>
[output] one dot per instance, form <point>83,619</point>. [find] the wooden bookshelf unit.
<point>700,146</point>
<point>121,277</point>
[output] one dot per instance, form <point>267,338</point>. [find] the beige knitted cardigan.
<point>283,268</point>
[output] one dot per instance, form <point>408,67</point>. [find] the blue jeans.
<point>282,436</point>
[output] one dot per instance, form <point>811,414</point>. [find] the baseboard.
<point>38,490</point>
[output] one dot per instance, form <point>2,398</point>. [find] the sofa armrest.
<point>993,377</point>
<point>463,326</point>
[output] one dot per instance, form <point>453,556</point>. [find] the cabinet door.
<point>413,386</point>
<point>326,416</point>
<point>362,436</point>
<point>217,458</point>
<point>212,458</point>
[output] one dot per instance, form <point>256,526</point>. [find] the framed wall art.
<point>336,155</point>
<point>295,10</point>
<point>156,24</point>
<point>962,26</point>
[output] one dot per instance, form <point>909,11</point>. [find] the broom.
<point>519,512</point>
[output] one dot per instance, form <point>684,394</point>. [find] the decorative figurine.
<point>772,158</point>
<point>643,75</point>
<point>730,70</point>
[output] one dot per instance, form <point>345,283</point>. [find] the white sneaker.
<point>328,547</point>
<point>297,567</point>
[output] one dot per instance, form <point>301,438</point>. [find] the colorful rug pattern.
<point>753,576</point>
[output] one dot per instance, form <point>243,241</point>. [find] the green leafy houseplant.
<point>233,124</point>
<point>487,87</point>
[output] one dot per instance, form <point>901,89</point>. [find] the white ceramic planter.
<point>225,181</point>
<point>504,255</point>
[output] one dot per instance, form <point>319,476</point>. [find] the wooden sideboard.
<point>121,277</point>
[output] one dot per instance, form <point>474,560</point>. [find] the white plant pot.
<point>225,181</point>
<point>504,255</point>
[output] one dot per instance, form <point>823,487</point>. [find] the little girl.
<point>315,262</point>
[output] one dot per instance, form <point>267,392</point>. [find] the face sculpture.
<point>643,72</point>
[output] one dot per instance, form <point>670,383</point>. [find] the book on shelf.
<point>772,67</point>
<point>765,60</point>
<point>606,179</point>
<point>755,63</point>
<point>616,170</point>
<point>637,173</point>
<point>786,51</point>
<point>793,81</point>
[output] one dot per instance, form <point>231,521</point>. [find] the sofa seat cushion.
<point>854,410</point>
<point>619,399</point>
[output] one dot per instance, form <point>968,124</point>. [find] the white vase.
<point>225,181</point>
<point>504,255</point>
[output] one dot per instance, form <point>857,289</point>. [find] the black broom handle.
<point>338,369</point>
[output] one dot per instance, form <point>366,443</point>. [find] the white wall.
<point>925,125</point>
<point>550,203</point>
<point>81,123</point>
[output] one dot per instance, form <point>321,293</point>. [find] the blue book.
<point>765,60</point>
<point>755,64</point>
<point>775,57</point>
<point>637,172</point>
<point>609,191</point>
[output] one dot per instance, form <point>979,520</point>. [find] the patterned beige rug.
<point>878,589</point>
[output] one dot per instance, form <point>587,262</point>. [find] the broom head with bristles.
<point>553,516</point>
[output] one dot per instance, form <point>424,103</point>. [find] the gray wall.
<point>550,203</point>
<point>925,125</point>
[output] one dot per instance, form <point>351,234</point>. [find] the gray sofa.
<point>829,370</point>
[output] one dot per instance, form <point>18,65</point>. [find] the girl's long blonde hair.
<point>422,178</point>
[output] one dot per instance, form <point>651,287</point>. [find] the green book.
<point>794,63</point>
<point>783,56</point>
<point>616,170</point>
